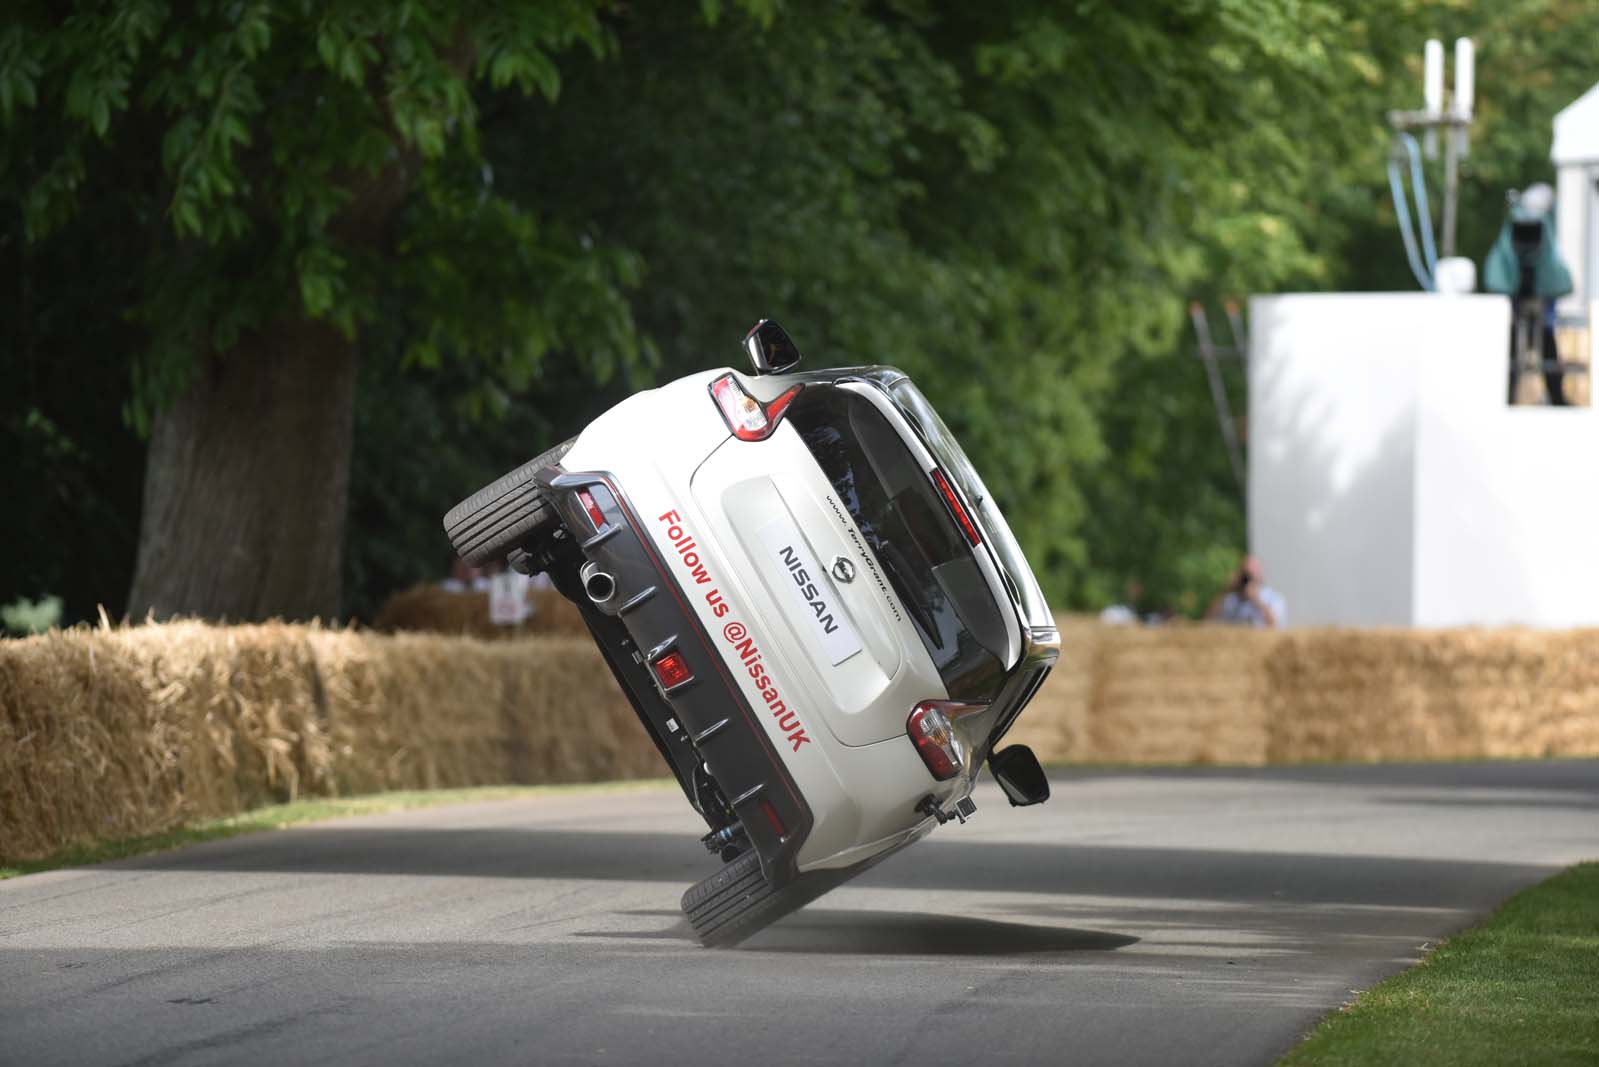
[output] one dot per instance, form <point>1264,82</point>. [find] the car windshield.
<point>952,458</point>
<point>911,532</point>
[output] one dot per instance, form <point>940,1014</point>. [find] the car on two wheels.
<point>811,600</point>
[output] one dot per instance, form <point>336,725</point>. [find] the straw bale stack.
<point>1056,724</point>
<point>433,609</point>
<point>119,732</point>
<point>1181,694</point>
<point>103,770</point>
<point>1434,694</point>
<point>1575,345</point>
<point>115,733</point>
<point>1173,694</point>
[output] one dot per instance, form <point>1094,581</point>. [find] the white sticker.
<point>818,601</point>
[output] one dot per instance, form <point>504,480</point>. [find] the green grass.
<point>1521,988</point>
<point>277,816</point>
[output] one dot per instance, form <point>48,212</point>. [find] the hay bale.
<point>1438,694</point>
<point>1056,724</point>
<point>117,733</point>
<point>83,752</point>
<point>1186,694</point>
<point>1574,344</point>
<point>434,609</point>
<point>1171,694</point>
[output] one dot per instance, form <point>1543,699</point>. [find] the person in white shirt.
<point>1249,601</point>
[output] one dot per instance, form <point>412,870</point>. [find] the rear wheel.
<point>505,515</point>
<point>737,901</point>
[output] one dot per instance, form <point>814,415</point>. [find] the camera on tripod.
<point>1525,265</point>
<point>1526,241</point>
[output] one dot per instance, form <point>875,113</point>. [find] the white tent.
<point>1577,131</point>
<point>1576,158</point>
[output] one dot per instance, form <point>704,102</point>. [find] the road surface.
<point>1140,917</point>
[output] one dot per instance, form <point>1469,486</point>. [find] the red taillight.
<point>772,817</point>
<point>672,670</point>
<point>774,410</point>
<point>955,508</point>
<point>595,514</point>
<point>931,729</point>
<point>745,415</point>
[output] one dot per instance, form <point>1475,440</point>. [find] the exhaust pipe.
<point>599,585</point>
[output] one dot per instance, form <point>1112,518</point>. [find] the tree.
<point>288,173</point>
<point>1013,201</point>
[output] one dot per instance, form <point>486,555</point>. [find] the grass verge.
<point>278,816</point>
<point>1521,988</point>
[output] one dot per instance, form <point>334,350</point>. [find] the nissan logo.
<point>843,569</point>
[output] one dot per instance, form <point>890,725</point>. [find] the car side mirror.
<point>1018,773</point>
<point>770,347</point>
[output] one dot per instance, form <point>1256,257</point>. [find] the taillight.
<point>931,728</point>
<point>955,508</point>
<point>595,514</point>
<point>773,817</point>
<point>672,669</point>
<point>747,417</point>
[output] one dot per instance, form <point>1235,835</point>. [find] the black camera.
<point>1526,240</point>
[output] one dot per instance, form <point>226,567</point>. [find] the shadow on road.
<point>1560,774</point>
<point>1497,800</point>
<point>838,932</point>
<point>876,933</point>
<point>974,864</point>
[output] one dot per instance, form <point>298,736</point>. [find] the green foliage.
<point>1013,203</point>
<point>23,616</point>
<point>523,211</point>
<point>266,146</point>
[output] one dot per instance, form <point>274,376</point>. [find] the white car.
<point>818,612</point>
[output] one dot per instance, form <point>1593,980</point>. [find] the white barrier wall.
<point>1391,484</point>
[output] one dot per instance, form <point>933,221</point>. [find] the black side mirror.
<point>770,347</point>
<point>1017,771</point>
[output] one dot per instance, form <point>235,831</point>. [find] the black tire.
<point>504,514</point>
<point>737,901</point>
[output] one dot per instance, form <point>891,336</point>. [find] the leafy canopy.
<point>266,148</point>
<point>523,211</point>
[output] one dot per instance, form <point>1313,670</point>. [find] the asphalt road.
<point>1139,917</point>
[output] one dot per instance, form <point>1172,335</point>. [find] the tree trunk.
<point>247,481</point>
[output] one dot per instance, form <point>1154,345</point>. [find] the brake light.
<point>932,730</point>
<point>746,417</point>
<point>955,507</point>
<point>773,817</point>
<point>595,514</point>
<point>672,669</point>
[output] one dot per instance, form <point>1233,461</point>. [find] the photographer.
<point>1525,265</point>
<point>1248,600</point>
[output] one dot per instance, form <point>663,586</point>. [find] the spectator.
<point>464,578</point>
<point>1249,601</point>
<point>1126,612</point>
